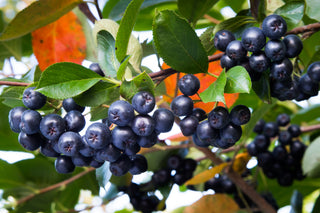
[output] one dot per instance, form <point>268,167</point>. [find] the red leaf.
<point>60,41</point>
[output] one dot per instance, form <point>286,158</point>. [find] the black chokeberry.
<point>148,141</point>
<point>285,137</point>
<point>109,153</point>
<point>226,62</point>
<point>30,122</point>
<point>95,67</point>
<point>236,51</point>
<point>283,119</point>
<point>253,39</point>
<point>75,121</point>
<point>199,113</point>
<point>69,143</point>
<point>230,134</point>
<point>281,70</point>
<point>30,142</point>
<point>271,129</point>
<point>275,50</point>
<point>222,38</point>
<point>164,119</point>
<point>261,142</point>
<point>308,86</point>
<point>123,137</point>
<point>240,115</point>
<point>69,104</point>
<point>182,105</point>
<point>314,71</point>
<point>80,160</point>
<point>52,126</point>
<point>258,128</point>
<point>174,162</point>
<point>293,45</point>
<point>98,135</point>
<point>259,62</point>
<point>188,125</point>
<point>219,117</point>
<point>143,125</point>
<point>15,118</point>
<point>64,164</point>
<point>189,84</point>
<point>206,133</point>
<point>295,130</point>
<point>121,166</point>
<point>121,113</point>
<point>274,26</point>
<point>33,99</point>
<point>143,102</point>
<point>139,164</point>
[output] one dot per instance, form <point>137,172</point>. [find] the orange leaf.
<point>206,175</point>
<point>205,82</point>
<point>240,163</point>
<point>60,41</point>
<point>216,203</point>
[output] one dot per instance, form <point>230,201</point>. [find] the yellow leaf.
<point>216,203</point>
<point>206,175</point>
<point>240,163</point>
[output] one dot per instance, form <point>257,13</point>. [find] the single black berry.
<point>219,117</point>
<point>314,72</point>
<point>293,45</point>
<point>164,119</point>
<point>271,129</point>
<point>274,26</point>
<point>188,125</point>
<point>52,126</point>
<point>64,164</point>
<point>143,102</point>
<point>30,142</point>
<point>199,113</point>
<point>121,166</point>
<point>182,105</point>
<point>75,121</point>
<point>96,68</point>
<point>121,113</point>
<point>143,125</point>
<point>222,38</point>
<point>189,84</point>
<point>30,122</point>
<point>69,104</point>
<point>281,70</point>
<point>240,115</point>
<point>98,135</point>
<point>139,165</point>
<point>226,62</point>
<point>275,50</point>
<point>295,130</point>
<point>236,51</point>
<point>69,143</point>
<point>259,62</point>
<point>15,118</point>
<point>33,99</point>
<point>253,39</point>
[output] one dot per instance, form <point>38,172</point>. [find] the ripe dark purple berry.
<point>98,135</point>
<point>164,119</point>
<point>275,50</point>
<point>15,118</point>
<point>271,129</point>
<point>80,160</point>
<point>121,166</point>
<point>30,122</point>
<point>47,149</point>
<point>281,70</point>
<point>293,45</point>
<point>226,62</point>
<point>258,128</point>
<point>261,142</point>
<point>222,38</point>
<point>182,105</point>
<point>188,125</point>
<point>283,119</point>
<point>52,126</point>
<point>259,62</point>
<point>96,68</point>
<point>123,137</point>
<point>69,104</point>
<point>139,165</point>
<point>148,141</point>
<point>174,162</point>
<point>69,143</point>
<point>240,115</point>
<point>75,121</point>
<point>285,137</point>
<point>109,153</point>
<point>30,142</point>
<point>189,84</point>
<point>274,26</point>
<point>219,117</point>
<point>33,99</point>
<point>307,86</point>
<point>121,113</point>
<point>143,102</point>
<point>206,133</point>
<point>314,72</point>
<point>64,164</point>
<point>295,130</point>
<point>230,134</point>
<point>235,50</point>
<point>199,113</point>
<point>253,39</point>
<point>143,125</point>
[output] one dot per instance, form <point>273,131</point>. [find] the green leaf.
<point>262,88</point>
<point>107,54</point>
<point>125,28</point>
<point>36,15</point>
<point>33,75</point>
<point>98,113</point>
<point>178,44</point>
<point>292,12</point>
<point>316,207</point>
<point>312,9</point>
<point>306,114</point>
<point>64,80</point>
<point>101,93</point>
<point>17,47</point>
<point>103,174</point>
<point>207,41</point>
<point>122,69</point>
<point>195,9</point>
<point>310,161</point>
<point>296,202</point>
<point>215,92</point>
<point>10,176</point>
<point>311,49</point>
<point>238,80</point>
<point>12,96</point>
<point>234,24</point>
<point>142,82</point>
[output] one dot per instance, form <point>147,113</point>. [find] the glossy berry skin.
<point>219,117</point>
<point>297,149</point>
<point>274,26</point>
<point>33,99</point>
<point>98,135</point>
<point>307,86</point>
<point>15,118</point>
<point>47,150</point>
<point>293,45</point>
<point>265,159</point>
<point>139,165</point>
<point>121,113</point>
<point>271,129</point>
<point>259,62</point>
<point>148,141</point>
<point>285,137</point>
<point>189,84</point>
<point>30,142</point>
<point>161,177</point>
<point>109,153</point>
<point>121,166</point>
<point>80,160</point>
<point>96,164</point>
<point>230,134</point>
<point>199,142</point>
<point>182,105</point>
<point>52,126</point>
<point>69,104</point>
<point>279,153</point>
<point>174,162</point>
<point>281,70</point>
<point>123,137</point>
<point>143,125</point>
<point>275,50</point>
<point>206,133</point>
<point>199,113</point>
<point>188,125</point>
<point>30,122</point>
<point>295,130</point>
<point>314,72</point>
<point>85,149</point>
<point>69,143</point>
<point>164,119</point>
<point>258,128</point>
<point>226,62</point>
<point>240,115</point>
<point>283,119</point>
<point>253,39</point>
<point>252,149</point>
<point>236,51</point>
<point>261,142</point>
<point>96,68</point>
<point>222,38</point>
<point>75,121</point>
<point>63,164</point>
<point>143,102</point>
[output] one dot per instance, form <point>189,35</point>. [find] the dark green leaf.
<point>64,80</point>
<point>177,43</point>
<point>101,93</point>
<point>262,88</point>
<point>103,174</point>
<point>292,12</point>
<point>296,202</point>
<point>141,82</point>
<point>312,9</point>
<point>238,80</point>
<point>207,40</point>
<point>262,10</point>
<point>11,96</point>
<point>234,24</point>
<point>125,28</point>
<point>195,9</point>
<point>36,15</point>
<point>122,68</point>
<point>147,48</point>
<point>215,92</point>
<point>17,48</point>
<point>310,49</point>
<point>306,114</point>
<point>98,113</point>
<point>107,54</point>
<point>310,161</point>
<point>10,176</point>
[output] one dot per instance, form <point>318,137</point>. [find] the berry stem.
<point>236,178</point>
<point>211,19</point>
<point>55,186</point>
<point>12,83</point>
<point>86,11</point>
<point>213,75</point>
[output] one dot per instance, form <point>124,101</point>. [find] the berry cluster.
<point>178,170</point>
<point>270,56</point>
<point>220,128</point>
<point>284,161</point>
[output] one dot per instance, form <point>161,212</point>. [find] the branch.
<point>86,11</point>
<point>310,128</point>
<point>55,186</point>
<point>236,178</point>
<point>98,9</point>
<point>12,83</point>
<point>307,28</point>
<point>211,19</point>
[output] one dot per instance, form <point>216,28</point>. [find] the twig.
<point>245,188</point>
<point>310,128</point>
<point>310,27</point>
<point>211,19</point>
<point>98,9</point>
<point>162,148</point>
<point>86,11</point>
<point>12,83</point>
<point>55,186</point>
